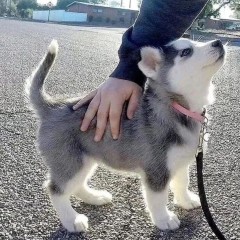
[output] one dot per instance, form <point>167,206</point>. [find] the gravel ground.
<point>87,55</point>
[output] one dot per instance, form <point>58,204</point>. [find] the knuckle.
<point>89,115</point>
<point>114,115</point>
<point>108,96</point>
<point>87,119</point>
<point>134,100</point>
<point>93,104</point>
<point>101,115</point>
<point>133,105</point>
<point>100,128</point>
<point>138,91</point>
<point>104,90</point>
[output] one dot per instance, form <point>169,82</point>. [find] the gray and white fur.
<point>159,143</point>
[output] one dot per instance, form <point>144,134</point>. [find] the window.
<point>97,10</point>
<point>121,13</point>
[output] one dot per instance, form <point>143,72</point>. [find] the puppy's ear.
<point>151,59</point>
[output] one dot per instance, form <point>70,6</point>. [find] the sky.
<point>226,12</point>
<point>46,1</point>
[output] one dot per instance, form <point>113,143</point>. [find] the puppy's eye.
<point>185,52</point>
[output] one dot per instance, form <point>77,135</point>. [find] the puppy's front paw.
<point>189,201</point>
<point>81,223</point>
<point>78,224</point>
<point>170,222</point>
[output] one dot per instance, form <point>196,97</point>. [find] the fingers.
<point>107,103</point>
<point>103,108</point>
<point>115,117</point>
<point>85,99</point>
<point>102,118</point>
<point>133,104</point>
<point>91,112</point>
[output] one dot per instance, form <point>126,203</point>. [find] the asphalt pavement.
<point>86,56</point>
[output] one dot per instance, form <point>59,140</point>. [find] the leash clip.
<point>203,133</point>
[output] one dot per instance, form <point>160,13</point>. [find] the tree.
<point>3,7</point>
<point>207,12</point>
<point>26,4</point>
<point>236,11</point>
<point>139,3</point>
<point>62,4</point>
<point>25,7</point>
<point>213,7</point>
<point>12,10</point>
<point>96,1</point>
<point>114,3</point>
<point>8,7</point>
<point>42,7</point>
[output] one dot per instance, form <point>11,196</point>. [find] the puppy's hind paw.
<point>101,197</point>
<point>95,197</point>
<point>189,201</point>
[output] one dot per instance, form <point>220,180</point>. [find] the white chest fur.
<point>183,155</point>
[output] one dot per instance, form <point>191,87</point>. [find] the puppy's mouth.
<point>217,59</point>
<point>221,55</point>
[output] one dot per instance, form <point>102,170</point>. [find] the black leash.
<point>203,199</point>
<point>199,161</point>
<point>201,190</point>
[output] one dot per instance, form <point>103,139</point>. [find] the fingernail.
<point>96,138</point>
<point>130,116</point>
<point>83,128</point>
<point>115,137</point>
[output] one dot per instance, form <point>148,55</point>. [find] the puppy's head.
<point>183,67</point>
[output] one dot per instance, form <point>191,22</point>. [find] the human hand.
<point>107,103</point>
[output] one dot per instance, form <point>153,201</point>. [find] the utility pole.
<point>121,3</point>
<point>10,4</point>
<point>130,3</point>
<point>6,5</point>
<point>50,5</point>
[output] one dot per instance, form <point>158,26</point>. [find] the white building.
<point>59,16</point>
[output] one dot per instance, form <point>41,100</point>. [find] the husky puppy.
<point>159,143</point>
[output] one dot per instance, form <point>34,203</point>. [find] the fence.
<point>59,16</point>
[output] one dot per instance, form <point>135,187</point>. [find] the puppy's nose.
<point>217,43</point>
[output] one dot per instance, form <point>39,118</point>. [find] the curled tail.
<point>39,99</point>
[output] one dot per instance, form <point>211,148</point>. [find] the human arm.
<point>158,23</point>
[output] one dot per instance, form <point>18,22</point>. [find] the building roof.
<point>99,5</point>
<point>226,19</point>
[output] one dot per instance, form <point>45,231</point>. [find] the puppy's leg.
<point>70,219</point>
<point>155,190</point>
<point>65,183</point>
<point>182,196</point>
<point>157,206</point>
<point>90,195</point>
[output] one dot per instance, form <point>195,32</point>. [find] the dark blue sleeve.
<point>159,22</point>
